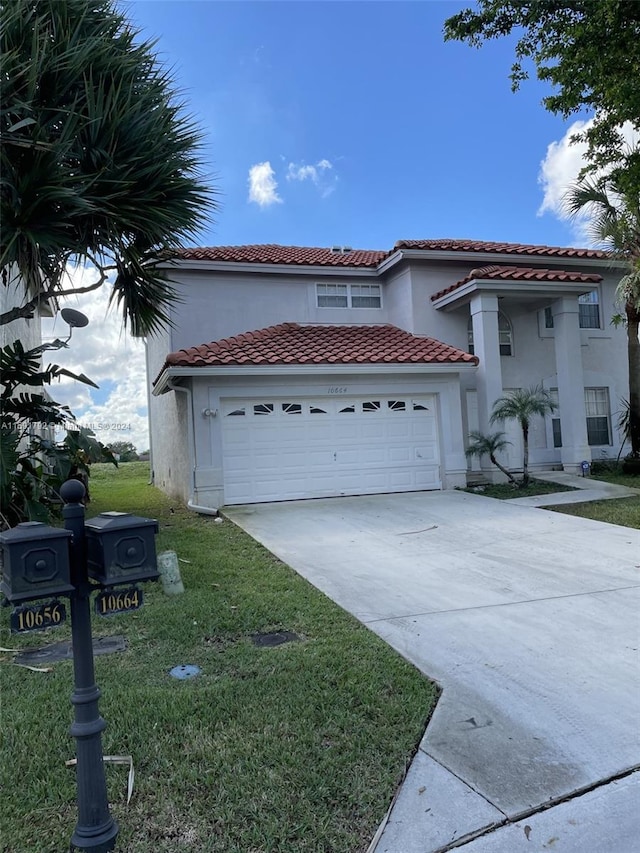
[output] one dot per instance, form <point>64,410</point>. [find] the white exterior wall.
<point>221,304</point>
<point>26,331</point>
<point>209,391</point>
<point>169,427</point>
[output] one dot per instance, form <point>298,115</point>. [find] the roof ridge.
<point>276,253</point>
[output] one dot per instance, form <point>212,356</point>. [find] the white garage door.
<point>304,448</point>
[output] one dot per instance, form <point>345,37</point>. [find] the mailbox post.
<point>96,829</point>
<point>41,562</point>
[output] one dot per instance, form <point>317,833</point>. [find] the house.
<point>295,372</point>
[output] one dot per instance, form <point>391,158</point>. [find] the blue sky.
<point>422,138</point>
<point>357,125</point>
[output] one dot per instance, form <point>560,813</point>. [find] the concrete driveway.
<point>529,621</point>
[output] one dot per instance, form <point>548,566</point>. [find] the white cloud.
<point>108,356</point>
<point>560,169</point>
<point>321,175</point>
<point>263,185</point>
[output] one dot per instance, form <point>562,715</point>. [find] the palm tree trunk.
<point>525,443</point>
<point>502,468</point>
<point>633,325</point>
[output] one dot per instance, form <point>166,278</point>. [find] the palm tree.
<point>99,161</point>
<point>488,445</point>
<point>613,204</point>
<point>100,168</point>
<point>521,405</point>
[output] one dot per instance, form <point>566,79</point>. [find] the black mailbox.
<point>121,548</point>
<point>35,562</point>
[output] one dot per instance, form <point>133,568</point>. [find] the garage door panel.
<point>287,449</point>
<point>426,453</point>
<point>401,455</point>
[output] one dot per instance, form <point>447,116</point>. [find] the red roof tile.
<point>499,273</point>
<point>501,248</point>
<point>273,254</point>
<point>291,343</point>
<point>309,256</point>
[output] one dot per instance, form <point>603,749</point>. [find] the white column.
<point>484,316</point>
<point>573,416</point>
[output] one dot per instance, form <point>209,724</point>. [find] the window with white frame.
<point>596,401</point>
<point>588,312</point>
<point>555,419</point>
<point>348,296</point>
<point>505,335</point>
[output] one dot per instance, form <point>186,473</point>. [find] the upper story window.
<point>505,335</point>
<point>348,296</point>
<point>588,312</point>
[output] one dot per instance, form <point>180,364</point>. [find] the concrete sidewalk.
<point>528,620</point>
<point>589,490</point>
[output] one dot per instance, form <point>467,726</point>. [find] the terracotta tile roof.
<point>291,343</point>
<point>499,273</point>
<point>501,248</point>
<point>273,254</point>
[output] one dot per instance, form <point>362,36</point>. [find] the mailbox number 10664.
<point>37,618</point>
<point>110,601</point>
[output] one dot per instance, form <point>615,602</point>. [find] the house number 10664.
<point>337,389</point>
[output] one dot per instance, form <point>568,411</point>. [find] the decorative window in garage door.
<point>263,409</point>
<point>282,408</point>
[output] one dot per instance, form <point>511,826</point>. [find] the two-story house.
<point>295,372</point>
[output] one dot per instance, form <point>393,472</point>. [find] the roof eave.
<point>271,269</point>
<point>484,258</point>
<point>537,289</point>
<point>162,384</point>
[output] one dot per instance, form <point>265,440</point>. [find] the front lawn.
<point>611,472</point>
<point>294,748</point>
<point>623,511</point>
<point>507,491</point>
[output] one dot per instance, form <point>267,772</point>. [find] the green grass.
<point>611,472</point>
<point>507,491</point>
<point>623,511</point>
<point>294,748</point>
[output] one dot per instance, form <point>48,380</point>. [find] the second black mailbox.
<point>121,548</point>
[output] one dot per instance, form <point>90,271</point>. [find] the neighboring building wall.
<point>26,331</point>
<point>171,466</point>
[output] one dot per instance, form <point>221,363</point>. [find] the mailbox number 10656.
<point>37,618</point>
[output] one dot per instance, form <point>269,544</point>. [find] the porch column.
<point>573,416</point>
<point>484,317</point>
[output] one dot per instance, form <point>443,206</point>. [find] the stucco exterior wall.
<point>208,392</point>
<point>169,425</point>
<point>222,303</point>
<point>26,331</point>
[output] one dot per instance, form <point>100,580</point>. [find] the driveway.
<point>529,621</point>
